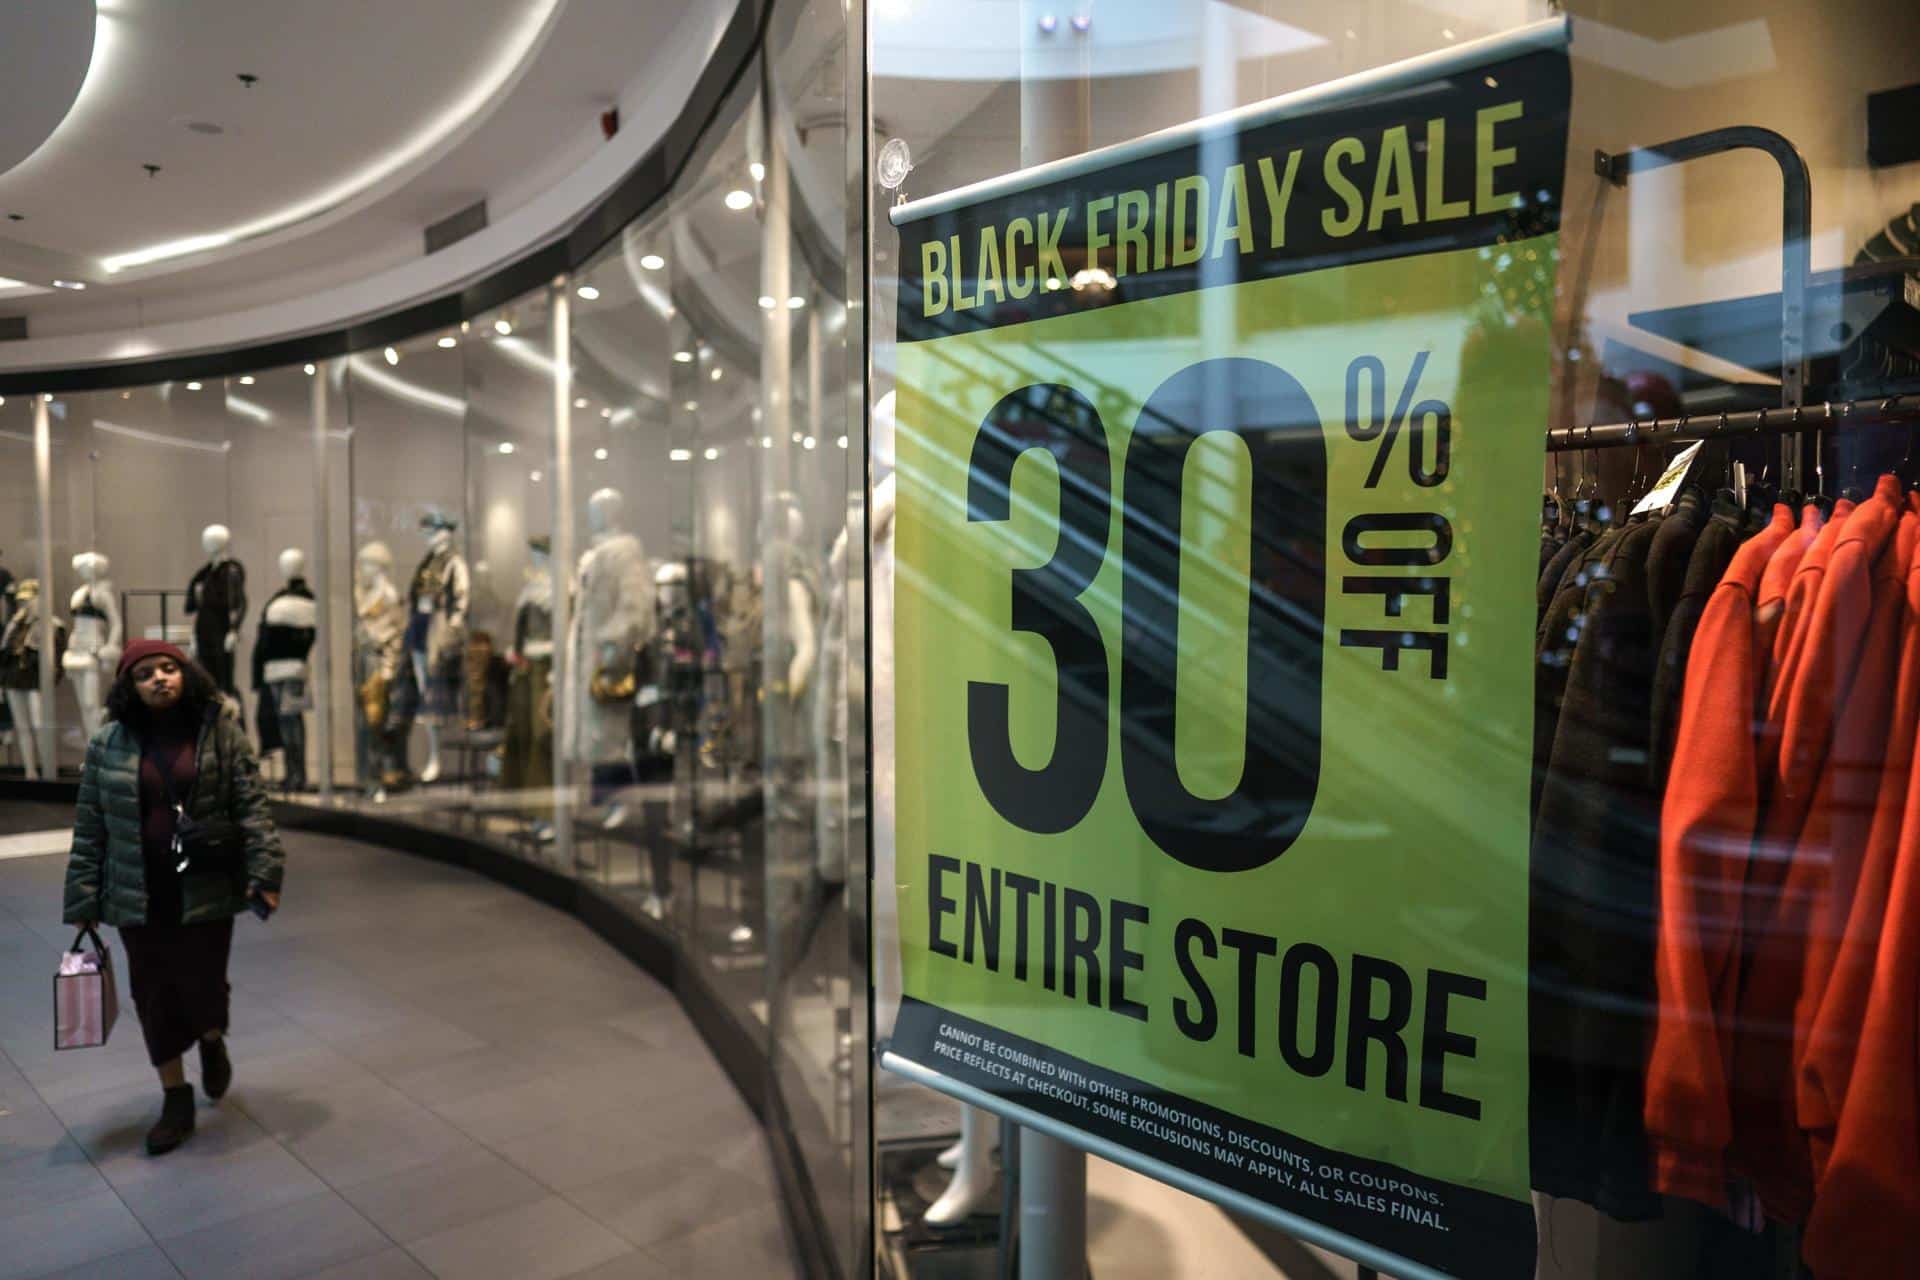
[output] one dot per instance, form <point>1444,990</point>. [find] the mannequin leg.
<point>26,727</point>
<point>293,739</point>
<point>428,718</point>
<point>973,1177</point>
<point>86,690</point>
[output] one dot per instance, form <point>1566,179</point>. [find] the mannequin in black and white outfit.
<point>287,629</point>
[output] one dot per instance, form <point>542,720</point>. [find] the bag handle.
<point>86,931</point>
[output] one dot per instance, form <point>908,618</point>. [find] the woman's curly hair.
<point>197,693</point>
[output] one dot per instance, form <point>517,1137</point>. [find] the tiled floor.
<point>435,1076</point>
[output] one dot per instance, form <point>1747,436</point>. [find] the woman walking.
<point>171,840</point>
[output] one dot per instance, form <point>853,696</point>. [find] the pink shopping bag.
<point>85,1001</point>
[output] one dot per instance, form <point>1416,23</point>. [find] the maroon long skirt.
<point>178,974</point>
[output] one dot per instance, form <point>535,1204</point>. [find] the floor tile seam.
<point>322,1179</point>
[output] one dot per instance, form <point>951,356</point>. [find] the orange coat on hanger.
<point>1706,826</point>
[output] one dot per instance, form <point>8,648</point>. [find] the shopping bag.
<point>85,1001</point>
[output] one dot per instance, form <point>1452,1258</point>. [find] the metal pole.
<point>1053,1209</point>
<point>563,569</point>
<point>322,563</point>
<point>1056,120</point>
<point>43,481</point>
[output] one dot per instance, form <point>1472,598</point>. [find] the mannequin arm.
<point>460,585</point>
<point>110,605</point>
<point>806,641</point>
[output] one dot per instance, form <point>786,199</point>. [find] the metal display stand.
<point>1796,239</point>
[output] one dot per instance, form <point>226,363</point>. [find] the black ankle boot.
<point>216,1068</point>
<point>176,1121</point>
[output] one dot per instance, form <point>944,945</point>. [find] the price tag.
<point>1670,481</point>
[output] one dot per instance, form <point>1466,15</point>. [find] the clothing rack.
<point>1881,411</point>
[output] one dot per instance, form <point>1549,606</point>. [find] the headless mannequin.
<point>94,647</point>
<point>614,615</point>
<point>23,700</point>
<point>654,738</point>
<point>971,1158</point>
<point>528,756</point>
<point>217,597</point>
<point>379,641</point>
<point>429,664</point>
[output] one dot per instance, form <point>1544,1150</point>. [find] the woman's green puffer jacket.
<point>107,872</point>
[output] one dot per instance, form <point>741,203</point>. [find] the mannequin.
<point>287,630</point>
<point>613,618</point>
<point>527,753</point>
<point>379,651</point>
<point>95,646</point>
<point>675,647</point>
<point>217,599</point>
<point>971,1158</point>
<point>437,631</point>
<point>20,671</point>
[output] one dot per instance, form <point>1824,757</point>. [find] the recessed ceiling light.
<point>712,453</point>
<point>193,386</point>
<point>309,371</point>
<point>796,437</point>
<point>502,328</point>
<point>738,199</point>
<point>683,357</point>
<point>808,443</point>
<point>70,284</point>
<point>680,455</point>
<point>766,302</point>
<point>606,413</point>
<point>246,379</point>
<point>758,170</point>
<point>506,446</point>
<point>842,442</point>
<point>1446,33</point>
<point>691,405</point>
<point>653,261</point>
<point>599,455</point>
<point>393,357</point>
<point>715,375</point>
<point>796,302</point>
<point>580,402</point>
<point>588,292</point>
<point>536,476</point>
<point>448,343</point>
<point>1492,83</point>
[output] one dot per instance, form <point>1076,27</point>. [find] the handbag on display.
<point>615,683</point>
<point>86,1003</point>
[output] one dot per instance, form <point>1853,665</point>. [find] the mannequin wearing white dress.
<point>93,647</point>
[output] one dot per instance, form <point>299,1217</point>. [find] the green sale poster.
<point>1219,460</point>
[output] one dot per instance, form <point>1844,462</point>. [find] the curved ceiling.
<point>49,48</point>
<point>301,151</point>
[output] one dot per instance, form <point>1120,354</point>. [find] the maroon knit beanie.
<point>141,649</point>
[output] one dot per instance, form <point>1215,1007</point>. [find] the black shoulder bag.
<point>217,845</point>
